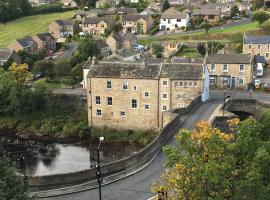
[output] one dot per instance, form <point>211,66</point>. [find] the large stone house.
<point>25,44</point>
<point>225,9</point>
<point>210,15</point>
<point>257,45</point>
<point>7,55</point>
<point>118,41</point>
<point>135,95</point>
<point>173,20</point>
<point>45,41</point>
<point>62,28</point>
<point>136,23</point>
<point>96,26</point>
<point>230,70</point>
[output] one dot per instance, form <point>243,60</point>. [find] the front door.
<point>233,82</point>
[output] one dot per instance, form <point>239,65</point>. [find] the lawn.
<point>49,85</point>
<point>30,25</point>
<point>219,35</point>
<point>190,53</point>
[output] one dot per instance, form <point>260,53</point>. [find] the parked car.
<point>266,87</point>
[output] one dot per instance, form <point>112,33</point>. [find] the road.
<point>71,48</point>
<point>137,186</point>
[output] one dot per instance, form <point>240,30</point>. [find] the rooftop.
<point>229,59</point>
<point>64,22</point>
<point>206,12</point>
<point>263,39</point>
<point>44,36</point>
<point>26,41</point>
<point>96,20</point>
<point>4,54</point>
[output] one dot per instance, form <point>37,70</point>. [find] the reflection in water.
<point>46,158</point>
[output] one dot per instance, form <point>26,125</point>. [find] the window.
<point>134,103</point>
<point>164,96</point>
<point>125,85</point>
<point>164,108</point>
<point>178,20</point>
<point>175,84</point>
<point>122,113</point>
<point>181,105</point>
<point>97,99</point>
<point>146,94</point>
<point>266,55</point>
<point>135,88</point>
<point>146,107</point>
<point>109,101</point>
<point>185,84</point>
<point>190,83</point>
<point>225,68</point>
<point>259,46</point>
<point>165,83</point>
<point>181,84</point>
<point>225,81</point>
<point>109,84</point>
<point>249,46</point>
<point>195,84</point>
<point>98,112</point>
<point>213,67</point>
<point>241,68</point>
<point>180,96</point>
<point>212,80</point>
<point>241,81</point>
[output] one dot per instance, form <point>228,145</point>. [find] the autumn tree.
<point>21,73</point>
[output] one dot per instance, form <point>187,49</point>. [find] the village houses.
<point>46,42</point>
<point>63,28</point>
<point>209,15</point>
<point>96,26</point>
<point>24,44</point>
<point>135,95</point>
<point>230,70</point>
<point>7,55</point>
<point>136,23</point>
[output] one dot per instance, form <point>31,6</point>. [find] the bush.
<point>154,30</point>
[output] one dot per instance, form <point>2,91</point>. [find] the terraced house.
<point>230,70</point>
<point>96,26</point>
<point>257,45</point>
<point>136,23</point>
<point>135,95</point>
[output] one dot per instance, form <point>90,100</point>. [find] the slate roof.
<point>206,12</point>
<point>44,36</point>
<point>134,17</point>
<point>117,37</point>
<point>174,15</point>
<point>211,5</point>
<point>64,22</point>
<point>5,54</point>
<point>229,59</point>
<point>96,20</point>
<point>141,70</point>
<point>263,39</point>
<point>101,44</point>
<point>25,41</point>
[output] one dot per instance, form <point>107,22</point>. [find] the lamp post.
<point>97,166</point>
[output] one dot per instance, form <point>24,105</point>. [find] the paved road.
<point>137,186</point>
<point>71,48</point>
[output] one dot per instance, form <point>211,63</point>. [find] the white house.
<point>172,21</point>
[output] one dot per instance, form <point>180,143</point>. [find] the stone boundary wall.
<point>145,155</point>
<point>71,102</point>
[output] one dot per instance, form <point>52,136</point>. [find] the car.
<point>266,87</point>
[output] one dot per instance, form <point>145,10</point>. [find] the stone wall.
<point>71,102</point>
<point>130,163</point>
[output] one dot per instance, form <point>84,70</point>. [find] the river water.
<point>48,158</point>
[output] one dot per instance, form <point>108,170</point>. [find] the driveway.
<point>71,48</point>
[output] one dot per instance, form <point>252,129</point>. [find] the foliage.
<point>21,73</point>
<point>234,11</point>
<point>50,8</point>
<point>166,5</point>
<point>260,16</point>
<point>87,48</point>
<point>201,48</point>
<point>117,27</point>
<point>208,164</point>
<point>214,47</point>
<point>158,50</point>
<point>30,59</point>
<point>12,186</point>
<point>62,68</point>
<point>154,30</point>
<point>206,26</point>
<point>45,67</point>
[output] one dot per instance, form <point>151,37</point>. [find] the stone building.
<point>96,26</point>
<point>62,28</point>
<point>135,95</point>
<point>230,70</point>
<point>45,41</point>
<point>257,45</point>
<point>24,44</point>
<point>136,23</point>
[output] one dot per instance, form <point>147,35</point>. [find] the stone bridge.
<point>251,106</point>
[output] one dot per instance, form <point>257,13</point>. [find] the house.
<point>125,55</point>
<point>114,42</point>
<point>103,48</point>
<point>175,2</point>
<point>70,3</point>
<point>230,70</point>
<point>172,19</point>
<point>210,15</point>
<point>62,28</point>
<point>46,42</point>
<point>149,11</point>
<point>136,95</point>
<point>40,2</point>
<point>129,40</point>
<point>225,9</point>
<point>111,12</point>
<point>170,48</point>
<point>25,44</point>
<point>81,15</point>
<point>257,45</point>
<point>97,25</point>
<point>7,55</point>
<point>136,23</point>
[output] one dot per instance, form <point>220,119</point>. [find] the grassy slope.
<point>29,26</point>
<point>213,34</point>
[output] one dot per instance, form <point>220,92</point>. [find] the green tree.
<point>165,5</point>
<point>45,67</point>
<point>62,68</point>
<point>158,50</point>
<point>206,26</point>
<point>234,11</point>
<point>201,48</point>
<point>12,186</point>
<point>87,48</point>
<point>260,16</point>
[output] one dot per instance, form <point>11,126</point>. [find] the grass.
<point>49,85</point>
<point>30,25</point>
<point>190,53</point>
<point>214,35</point>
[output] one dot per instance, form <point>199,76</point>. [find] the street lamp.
<point>97,166</point>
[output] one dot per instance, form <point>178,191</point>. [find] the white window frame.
<point>240,68</point>
<point>164,94</point>
<point>136,103</point>
<point>122,113</point>
<point>125,84</point>
<point>148,94</point>
<point>164,108</point>
<point>212,65</point>
<point>98,113</point>
<point>165,81</point>
<point>241,78</point>
<point>109,83</point>
<point>146,106</point>
<point>98,102</point>
<point>224,66</point>
<point>109,101</point>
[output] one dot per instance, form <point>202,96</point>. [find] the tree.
<point>201,48</point>
<point>206,26</point>
<point>234,11</point>
<point>260,16</point>
<point>62,68</point>
<point>166,5</point>
<point>117,28</point>
<point>158,50</point>
<point>45,67</point>
<point>21,73</point>
<point>12,186</point>
<point>87,48</point>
